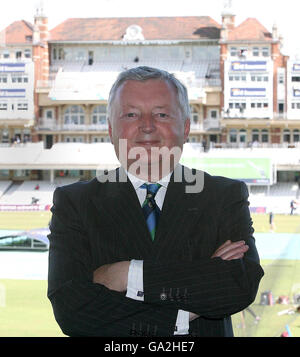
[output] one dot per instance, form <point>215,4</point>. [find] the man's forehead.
<point>129,83</point>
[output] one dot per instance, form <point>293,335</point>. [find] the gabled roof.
<point>16,32</point>
<point>153,28</point>
<point>250,29</point>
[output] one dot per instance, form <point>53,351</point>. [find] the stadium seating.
<point>24,193</point>
<point>277,199</point>
<point>4,185</point>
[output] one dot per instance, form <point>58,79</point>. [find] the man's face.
<point>148,116</point>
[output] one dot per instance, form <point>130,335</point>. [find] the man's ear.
<point>187,127</point>
<point>110,130</point>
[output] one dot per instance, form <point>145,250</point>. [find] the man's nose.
<point>147,123</point>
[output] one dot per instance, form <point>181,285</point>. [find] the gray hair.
<point>144,73</point>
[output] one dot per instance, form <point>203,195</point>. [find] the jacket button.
<point>163,296</point>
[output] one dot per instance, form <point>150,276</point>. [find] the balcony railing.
<point>257,145</point>
<point>50,124</point>
<point>207,124</point>
<point>211,124</point>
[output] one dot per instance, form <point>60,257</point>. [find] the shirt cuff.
<point>135,285</point>
<point>182,323</point>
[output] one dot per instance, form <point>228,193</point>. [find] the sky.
<point>284,13</point>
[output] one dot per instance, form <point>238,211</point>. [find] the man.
<point>129,259</point>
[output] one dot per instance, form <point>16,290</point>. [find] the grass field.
<point>26,311</point>
<point>29,220</point>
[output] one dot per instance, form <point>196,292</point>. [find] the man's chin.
<point>151,172</point>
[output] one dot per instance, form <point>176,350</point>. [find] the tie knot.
<point>151,188</point>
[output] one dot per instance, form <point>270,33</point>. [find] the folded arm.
<point>81,306</point>
<point>218,287</point>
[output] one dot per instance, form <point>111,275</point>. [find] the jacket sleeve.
<point>213,288</point>
<point>81,307</point>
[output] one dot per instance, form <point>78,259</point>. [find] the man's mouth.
<point>148,142</point>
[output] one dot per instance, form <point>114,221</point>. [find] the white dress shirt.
<point>135,286</point>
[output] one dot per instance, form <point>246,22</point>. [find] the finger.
<point>228,247</point>
<point>236,253</point>
<point>228,242</point>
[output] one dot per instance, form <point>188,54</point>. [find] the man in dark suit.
<point>152,248</point>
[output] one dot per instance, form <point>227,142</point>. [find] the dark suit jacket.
<point>97,223</point>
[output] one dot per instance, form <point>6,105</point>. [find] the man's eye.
<point>131,115</point>
<point>162,115</point>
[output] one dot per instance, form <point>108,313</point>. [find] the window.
<point>28,38</point>
<point>22,106</point>
<point>49,114</point>
<point>265,135</point>
<point>3,106</point>
<point>18,54</point>
<point>296,135</point>
<point>61,54</point>
<point>265,51</point>
<point>255,135</point>
<point>286,136</point>
<point>233,136</point>
<point>54,54</point>
<point>80,56</point>
<point>243,136</point>
<point>255,51</point>
<point>259,78</point>
<point>99,115</point>
<point>233,51</point>
<point>3,79</point>
<point>280,108</point>
<point>74,115</point>
<point>296,79</point>
<point>243,52</point>
<point>27,53</point>
<point>6,54</point>
<point>213,114</point>
<point>19,79</point>
<point>280,78</point>
<point>5,136</point>
<point>74,139</point>
<point>91,57</point>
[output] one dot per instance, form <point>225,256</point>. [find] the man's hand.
<point>227,251</point>
<point>231,250</point>
<point>113,276</point>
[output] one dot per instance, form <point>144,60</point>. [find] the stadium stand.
<point>30,192</point>
<point>24,193</point>
<point>4,186</point>
<point>276,199</point>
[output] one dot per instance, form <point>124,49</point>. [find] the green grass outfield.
<point>30,220</point>
<point>25,310</point>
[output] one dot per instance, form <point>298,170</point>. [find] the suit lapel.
<point>121,204</point>
<point>179,210</point>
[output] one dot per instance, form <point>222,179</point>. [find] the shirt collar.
<point>137,182</point>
